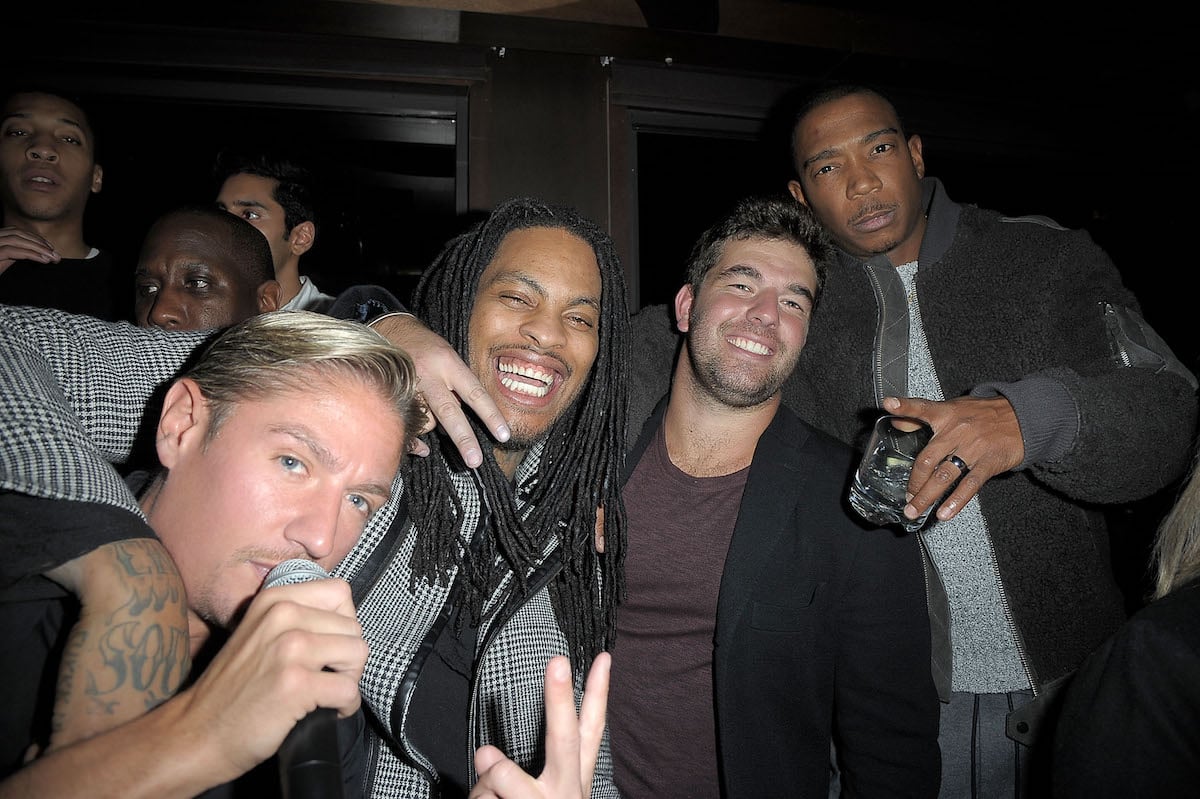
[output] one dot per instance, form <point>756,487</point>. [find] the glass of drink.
<point>878,490</point>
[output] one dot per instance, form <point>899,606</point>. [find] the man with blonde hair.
<point>279,442</point>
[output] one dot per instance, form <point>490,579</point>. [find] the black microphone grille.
<point>296,570</point>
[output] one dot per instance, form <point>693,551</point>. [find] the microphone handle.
<point>308,764</point>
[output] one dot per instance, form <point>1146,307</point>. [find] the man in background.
<point>201,268</point>
<point>275,195</point>
<point>48,171</point>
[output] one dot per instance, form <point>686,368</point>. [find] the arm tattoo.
<point>129,651</point>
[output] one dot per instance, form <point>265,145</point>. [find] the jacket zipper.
<point>1008,617</point>
<point>877,375</point>
<point>1122,353</point>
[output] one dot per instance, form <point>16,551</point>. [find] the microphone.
<point>296,570</point>
<point>310,762</point>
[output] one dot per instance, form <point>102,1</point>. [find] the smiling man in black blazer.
<point>764,625</point>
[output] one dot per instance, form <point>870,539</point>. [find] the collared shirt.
<point>309,298</point>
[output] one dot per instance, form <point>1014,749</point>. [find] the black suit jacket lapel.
<point>776,475</point>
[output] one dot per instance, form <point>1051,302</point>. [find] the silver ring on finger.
<point>959,462</point>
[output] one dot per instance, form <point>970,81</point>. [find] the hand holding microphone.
<point>310,762</point>
<point>298,648</point>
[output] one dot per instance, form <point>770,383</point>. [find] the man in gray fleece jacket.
<point>1048,394</point>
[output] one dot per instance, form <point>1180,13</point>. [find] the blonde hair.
<point>287,351</point>
<point>1177,545</point>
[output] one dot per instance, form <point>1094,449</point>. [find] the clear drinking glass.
<point>878,490</point>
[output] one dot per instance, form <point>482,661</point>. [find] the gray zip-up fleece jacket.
<point>1027,309</point>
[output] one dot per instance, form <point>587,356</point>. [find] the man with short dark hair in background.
<point>200,269</point>
<point>275,195</point>
<point>48,171</point>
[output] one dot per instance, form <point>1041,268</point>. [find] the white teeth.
<point>750,346</point>
<point>525,388</point>
<point>528,371</point>
<point>42,180</point>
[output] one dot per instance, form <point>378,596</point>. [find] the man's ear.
<point>797,191</point>
<point>97,178</point>
<point>268,296</point>
<point>683,306</point>
<point>917,155</point>
<point>183,421</point>
<point>302,237</point>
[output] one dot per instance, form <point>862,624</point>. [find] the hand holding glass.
<point>878,491</point>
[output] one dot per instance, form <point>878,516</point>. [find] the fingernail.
<point>503,433</point>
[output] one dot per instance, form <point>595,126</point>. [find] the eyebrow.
<point>740,269</point>
<point>195,261</point>
<point>830,152</point>
<point>750,271</point>
<point>327,459</point>
<point>525,279</point>
<point>27,115</point>
<point>247,204</point>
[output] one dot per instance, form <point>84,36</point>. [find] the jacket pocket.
<point>1136,344</point>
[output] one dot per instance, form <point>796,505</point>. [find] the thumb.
<point>486,757</point>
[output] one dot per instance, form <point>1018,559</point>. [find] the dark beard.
<point>728,387</point>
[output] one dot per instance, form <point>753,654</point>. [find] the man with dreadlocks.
<point>488,572</point>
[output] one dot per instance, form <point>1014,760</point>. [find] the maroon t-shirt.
<point>660,705</point>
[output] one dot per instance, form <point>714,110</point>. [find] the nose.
<point>315,527</point>
<point>41,148</point>
<point>765,308</point>
<point>863,180</point>
<point>166,311</point>
<point>544,328</point>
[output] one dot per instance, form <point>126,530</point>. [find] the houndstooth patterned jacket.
<point>512,650</point>
<point>75,390</point>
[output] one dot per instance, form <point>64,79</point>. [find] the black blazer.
<point>822,631</point>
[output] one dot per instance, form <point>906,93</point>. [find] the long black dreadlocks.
<point>580,466</point>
